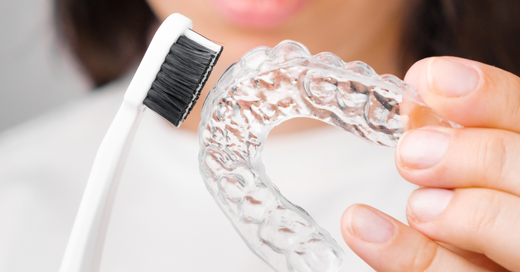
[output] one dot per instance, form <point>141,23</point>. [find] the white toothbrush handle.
<point>83,253</point>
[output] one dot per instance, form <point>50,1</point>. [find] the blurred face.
<point>366,30</point>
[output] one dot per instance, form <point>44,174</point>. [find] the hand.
<point>466,215</point>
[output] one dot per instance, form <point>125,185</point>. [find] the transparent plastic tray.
<point>266,87</point>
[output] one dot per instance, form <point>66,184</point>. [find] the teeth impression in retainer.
<point>266,87</point>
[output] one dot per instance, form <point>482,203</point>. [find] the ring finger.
<point>458,158</point>
<point>479,220</point>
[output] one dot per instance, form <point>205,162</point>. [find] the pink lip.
<point>258,13</point>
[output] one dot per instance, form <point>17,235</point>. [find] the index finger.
<point>467,92</point>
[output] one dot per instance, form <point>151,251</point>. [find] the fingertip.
<point>418,73</point>
<point>422,148</point>
<point>367,224</point>
<point>445,76</point>
<point>426,204</point>
<point>346,228</point>
<point>453,77</point>
<point>388,245</point>
<point>367,232</point>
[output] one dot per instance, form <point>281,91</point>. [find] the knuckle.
<point>505,83</point>
<point>486,211</point>
<point>491,157</point>
<point>515,112</point>
<point>510,98</point>
<point>423,257</point>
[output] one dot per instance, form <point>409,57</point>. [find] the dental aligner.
<point>269,86</point>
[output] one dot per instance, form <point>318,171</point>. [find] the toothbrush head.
<point>181,78</point>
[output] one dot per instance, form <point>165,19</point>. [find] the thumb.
<point>390,246</point>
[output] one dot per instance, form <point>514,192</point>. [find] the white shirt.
<point>163,217</point>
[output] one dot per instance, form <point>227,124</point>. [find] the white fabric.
<point>163,217</point>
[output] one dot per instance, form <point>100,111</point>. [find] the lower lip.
<point>258,13</point>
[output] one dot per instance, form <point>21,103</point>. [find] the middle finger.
<point>455,158</point>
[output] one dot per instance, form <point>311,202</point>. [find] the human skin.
<point>338,26</point>
<point>466,215</point>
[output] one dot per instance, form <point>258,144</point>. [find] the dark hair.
<point>481,30</point>
<point>108,36</point>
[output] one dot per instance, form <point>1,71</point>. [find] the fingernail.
<point>370,226</point>
<point>427,204</point>
<point>451,78</point>
<point>416,73</point>
<point>421,149</point>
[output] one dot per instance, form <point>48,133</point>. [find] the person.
<point>463,218</point>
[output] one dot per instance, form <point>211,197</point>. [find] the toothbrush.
<point>168,81</point>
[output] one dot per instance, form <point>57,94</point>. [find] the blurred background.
<point>36,72</point>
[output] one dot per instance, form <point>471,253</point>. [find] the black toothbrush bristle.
<point>180,80</point>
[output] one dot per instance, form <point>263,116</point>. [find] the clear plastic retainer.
<point>266,87</point>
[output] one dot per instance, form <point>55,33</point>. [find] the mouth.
<point>258,13</point>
